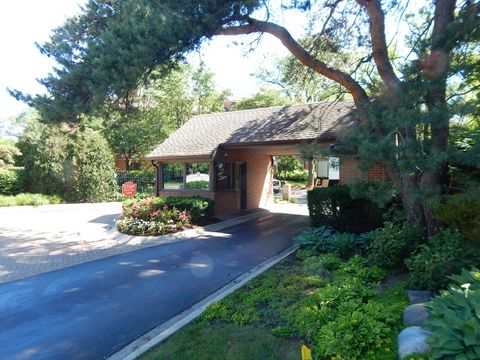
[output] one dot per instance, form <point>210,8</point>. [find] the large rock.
<point>418,296</point>
<point>413,340</point>
<point>415,314</point>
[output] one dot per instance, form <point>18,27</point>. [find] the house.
<point>229,156</point>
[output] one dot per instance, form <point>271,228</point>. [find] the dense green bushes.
<point>77,166</point>
<point>11,181</point>
<point>295,175</point>
<point>29,199</point>
<point>335,207</point>
<point>444,254</point>
<point>389,246</point>
<point>399,247</point>
<point>161,215</point>
<point>326,240</point>
<point>93,178</point>
<point>462,212</point>
<point>455,319</point>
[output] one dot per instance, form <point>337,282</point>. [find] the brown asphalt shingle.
<point>202,134</point>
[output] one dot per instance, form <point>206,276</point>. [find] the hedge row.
<point>335,207</point>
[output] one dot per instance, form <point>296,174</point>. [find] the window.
<point>328,168</point>
<point>334,168</point>
<point>173,176</point>
<point>198,176</point>
<point>225,176</point>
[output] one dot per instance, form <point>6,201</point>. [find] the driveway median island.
<point>154,216</point>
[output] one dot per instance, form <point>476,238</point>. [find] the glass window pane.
<point>322,168</point>
<point>225,176</point>
<point>198,176</point>
<point>334,168</point>
<point>173,176</point>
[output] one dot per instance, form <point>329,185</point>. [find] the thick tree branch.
<point>379,44</point>
<point>358,93</point>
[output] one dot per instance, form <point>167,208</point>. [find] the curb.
<point>114,234</point>
<point>168,328</point>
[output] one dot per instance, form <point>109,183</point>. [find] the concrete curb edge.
<point>168,328</point>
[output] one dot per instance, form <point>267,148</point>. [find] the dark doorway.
<point>243,185</point>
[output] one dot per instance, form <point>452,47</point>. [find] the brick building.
<point>229,156</point>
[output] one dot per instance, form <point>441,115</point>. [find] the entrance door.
<point>242,169</point>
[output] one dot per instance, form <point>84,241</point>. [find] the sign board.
<point>129,189</point>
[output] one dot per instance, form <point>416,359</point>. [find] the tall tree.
<point>113,45</point>
<point>206,98</point>
<point>263,98</point>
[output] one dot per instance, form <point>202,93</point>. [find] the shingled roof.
<point>202,134</point>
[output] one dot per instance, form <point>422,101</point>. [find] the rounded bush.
<point>444,254</point>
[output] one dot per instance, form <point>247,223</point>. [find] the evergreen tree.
<point>113,46</point>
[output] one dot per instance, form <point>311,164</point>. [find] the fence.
<point>145,182</point>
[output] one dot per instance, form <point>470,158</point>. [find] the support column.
<point>158,177</point>
<point>212,175</point>
<point>310,173</point>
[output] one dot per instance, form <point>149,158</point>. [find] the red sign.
<point>129,189</point>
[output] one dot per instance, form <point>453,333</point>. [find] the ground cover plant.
<point>455,319</point>
<point>162,215</point>
<point>332,305</point>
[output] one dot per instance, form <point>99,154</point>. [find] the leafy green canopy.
<point>112,46</point>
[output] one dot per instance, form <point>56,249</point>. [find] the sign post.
<point>129,189</point>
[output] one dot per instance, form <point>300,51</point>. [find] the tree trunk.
<point>128,164</point>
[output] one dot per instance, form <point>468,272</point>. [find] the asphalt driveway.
<point>91,310</point>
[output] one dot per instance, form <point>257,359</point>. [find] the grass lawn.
<point>340,309</point>
<point>224,341</point>
<point>297,183</point>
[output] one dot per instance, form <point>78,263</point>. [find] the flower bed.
<point>162,215</point>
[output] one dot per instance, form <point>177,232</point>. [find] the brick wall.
<point>259,176</point>
<point>349,171</point>
<point>226,202</point>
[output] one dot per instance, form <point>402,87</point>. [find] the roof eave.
<point>180,158</point>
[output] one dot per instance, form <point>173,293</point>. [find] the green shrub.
<point>444,254</point>
<point>318,239</point>
<point>8,153</point>
<point>198,185</point>
<point>461,211</point>
<point>359,332</point>
<point>325,240</point>
<point>163,221</point>
<point>198,208</point>
<point>335,207</point>
<point>455,319</point>
<point>94,173</point>
<point>295,175</point>
<point>29,199</point>
<point>345,245</point>
<point>389,246</point>
<point>77,166</point>
<point>11,181</point>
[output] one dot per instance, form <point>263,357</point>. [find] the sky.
<point>24,22</point>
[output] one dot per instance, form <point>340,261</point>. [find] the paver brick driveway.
<point>34,240</point>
